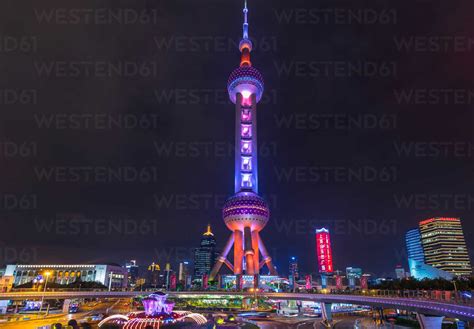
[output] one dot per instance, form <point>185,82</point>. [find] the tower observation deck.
<point>245,213</point>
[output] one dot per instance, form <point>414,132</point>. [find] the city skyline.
<point>367,182</point>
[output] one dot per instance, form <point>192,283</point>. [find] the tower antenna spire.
<point>245,45</point>
<point>245,34</point>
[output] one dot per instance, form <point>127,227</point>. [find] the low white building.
<point>66,274</point>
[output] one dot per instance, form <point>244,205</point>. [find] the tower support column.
<point>256,255</point>
<point>222,258</point>
<point>266,258</point>
<point>249,261</point>
<point>238,252</point>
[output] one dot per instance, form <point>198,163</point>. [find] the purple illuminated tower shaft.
<point>245,213</point>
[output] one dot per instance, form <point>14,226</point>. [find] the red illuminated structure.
<point>324,251</point>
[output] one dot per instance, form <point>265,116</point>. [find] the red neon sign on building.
<point>323,250</point>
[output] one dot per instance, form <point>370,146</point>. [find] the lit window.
<point>246,147</point>
<point>246,163</point>
<point>246,131</point>
<point>246,115</point>
<point>247,180</point>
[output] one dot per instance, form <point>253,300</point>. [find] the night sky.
<point>116,131</point>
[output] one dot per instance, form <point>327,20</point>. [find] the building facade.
<point>205,255</point>
<point>293,268</point>
<point>133,272</point>
<point>324,251</point>
<point>444,245</point>
<point>154,277</point>
<point>416,259</point>
<point>113,276</point>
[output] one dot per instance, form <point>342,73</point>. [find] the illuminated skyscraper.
<point>205,255</point>
<point>416,259</point>
<point>444,245</point>
<point>245,213</point>
<point>324,251</point>
<point>132,269</point>
<point>293,268</point>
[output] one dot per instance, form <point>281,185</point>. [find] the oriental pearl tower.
<point>245,213</point>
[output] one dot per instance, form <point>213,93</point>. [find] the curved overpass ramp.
<point>422,306</point>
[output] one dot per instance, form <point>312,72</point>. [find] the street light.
<point>47,274</point>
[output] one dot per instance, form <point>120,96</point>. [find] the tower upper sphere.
<point>245,79</point>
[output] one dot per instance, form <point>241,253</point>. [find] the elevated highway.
<point>422,306</point>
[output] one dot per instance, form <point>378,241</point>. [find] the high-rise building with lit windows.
<point>418,269</point>
<point>205,255</point>
<point>245,213</point>
<point>444,245</point>
<point>293,268</point>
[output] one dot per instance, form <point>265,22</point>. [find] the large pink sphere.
<point>246,209</point>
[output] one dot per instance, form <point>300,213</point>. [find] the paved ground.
<point>102,307</point>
